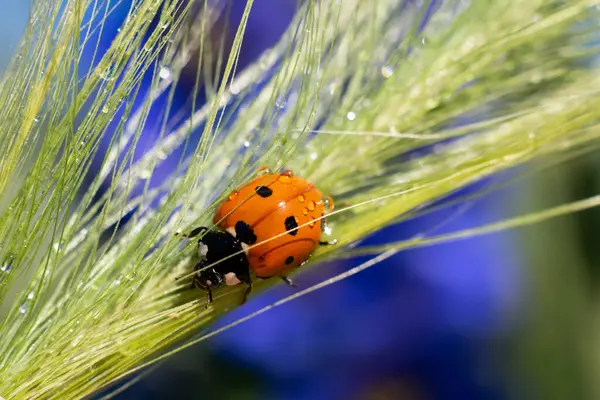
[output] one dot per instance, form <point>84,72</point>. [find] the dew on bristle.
<point>23,309</point>
<point>281,103</point>
<point>387,71</point>
<point>351,115</point>
<point>235,88</point>
<point>164,73</point>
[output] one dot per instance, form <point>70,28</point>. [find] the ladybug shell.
<point>272,205</point>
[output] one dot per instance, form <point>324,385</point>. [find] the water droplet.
<point>118,29</point>
<point>387,71</point>
<point>305,211</point>
<point>164,73</point>
<point>263,171</point>
<point>351,115</point>
<point>233,195</point>
<point>327,230</point>
<point>23,309</point>
<point>284,179</point>
<point>36,119</point>
<point>281,103</point>
<point>313,156</point>
<point>301,199</point>
<point>104,110</point>
<point>30,296</point>
<point>312,223</point>
<point>311,205</point>
<point>246,144</point>
<point>5,267</point>
<point>235,88</point>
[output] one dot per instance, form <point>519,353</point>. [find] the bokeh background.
<point>508,315</point>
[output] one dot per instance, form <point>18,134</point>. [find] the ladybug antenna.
<point>195,232</point>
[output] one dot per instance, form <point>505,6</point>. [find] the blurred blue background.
<point>420,325</point>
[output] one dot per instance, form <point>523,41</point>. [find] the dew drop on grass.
<point>280,103</point>
<point>5,267</point>
<point>164,73</point>
<point>234,88</point>
<point>23,309</point>
<point>387,71</point>
<point>351,115</point>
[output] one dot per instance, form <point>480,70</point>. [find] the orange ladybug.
<point>269,226</point>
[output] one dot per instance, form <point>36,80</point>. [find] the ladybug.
<point>268,227</point>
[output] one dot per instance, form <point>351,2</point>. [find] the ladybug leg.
<point>246,292</point>
<point>325,227</point>
<point>330,243</point>
<point>195,232</point>
<point>209,299</point>
<point>289,282</point>
<point>198,283</point>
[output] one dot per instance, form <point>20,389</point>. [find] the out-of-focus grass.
<point>555,348</point>
<point>346,98</point>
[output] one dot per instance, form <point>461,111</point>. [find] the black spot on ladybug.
<point>244,233</point>
<point>263,191</point>
<point>289,260</point>
<point>290,223</point>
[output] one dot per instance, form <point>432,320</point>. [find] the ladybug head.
<point>224,259</point>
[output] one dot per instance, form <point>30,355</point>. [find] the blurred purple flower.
<point>423,313</point>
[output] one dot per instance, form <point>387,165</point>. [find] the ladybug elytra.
<point>268,227</point>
